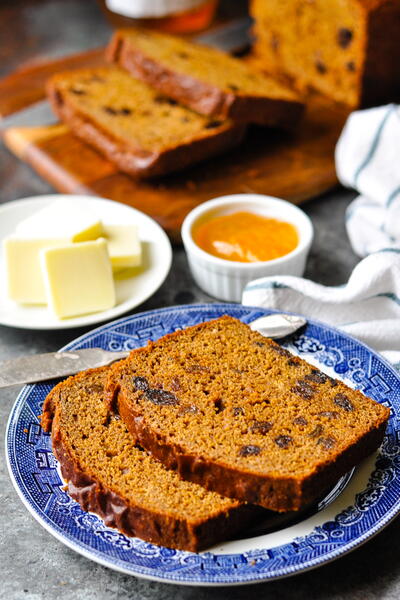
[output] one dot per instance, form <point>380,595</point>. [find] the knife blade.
<point>35,115</point>
<point>40,367</point>
<point>232,37</point>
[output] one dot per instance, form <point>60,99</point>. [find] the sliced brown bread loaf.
<point>237,413</point>
<point>143,132</point>
<point>205,79</point>
<point>109,475</point>
<point>347,49</point>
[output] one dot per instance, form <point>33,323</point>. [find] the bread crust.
<point>200,96</point>
<point>380,77</point>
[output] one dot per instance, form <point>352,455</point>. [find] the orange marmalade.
<point>246,237</point>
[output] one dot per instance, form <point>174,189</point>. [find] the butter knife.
<point>40,367</point>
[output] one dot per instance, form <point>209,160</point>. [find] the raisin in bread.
<point>205,79</point>
<point>143,132</point>
<point>109,475</point>
<point>348,50</point>
<point>235,412</point>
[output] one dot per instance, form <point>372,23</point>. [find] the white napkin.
<point>368,159</point>
<point>367,307</point>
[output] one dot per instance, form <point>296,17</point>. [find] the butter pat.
<point>78,278</point>
<point>23,267</point>
<point>62,219</point>
<point>123,246</point>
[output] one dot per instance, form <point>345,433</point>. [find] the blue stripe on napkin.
<point>268,285</point>
<point>392,196</point>
<point>374,145</point>
<point>388,295</point>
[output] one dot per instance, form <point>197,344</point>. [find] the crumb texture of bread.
<point>142,131</point>
<point>205,79</point>
<point>237,413</point>
<point>109,475</point>
<point>346,49</point>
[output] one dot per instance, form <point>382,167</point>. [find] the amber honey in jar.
<point>173,16</point>
<point>246,237</point>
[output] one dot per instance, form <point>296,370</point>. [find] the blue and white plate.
<point>359,506</point>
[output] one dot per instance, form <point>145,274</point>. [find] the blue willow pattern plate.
<point>360,505</point>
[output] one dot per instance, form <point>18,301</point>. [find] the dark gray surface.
<point>36,566</point>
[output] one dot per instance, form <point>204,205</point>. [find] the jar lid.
<point>143,9</point>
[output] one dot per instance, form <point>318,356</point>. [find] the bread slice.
<point>143,132</point>
<point>235,412</point>
<point>109,475</point>
<point>204,79</point>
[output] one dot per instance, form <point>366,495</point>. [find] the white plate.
<point>157,257</point>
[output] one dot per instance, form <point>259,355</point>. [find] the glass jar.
<point>173,16</point>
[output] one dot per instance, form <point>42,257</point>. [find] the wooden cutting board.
<point>295,166</point>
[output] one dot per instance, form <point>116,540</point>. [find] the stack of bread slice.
<point>167,103</point>
<point>109,474</point>
<point>191,438</point>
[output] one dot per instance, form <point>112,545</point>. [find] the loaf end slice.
<point>235,412</point>
<point>109,475</point>
<point>348,51</point>
<point>140,130</point>
<point>205,79</point>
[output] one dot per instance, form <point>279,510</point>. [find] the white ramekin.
<point>225,279</point>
